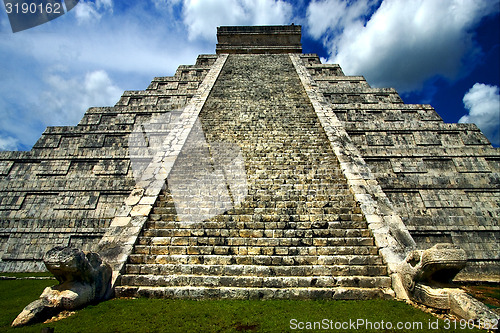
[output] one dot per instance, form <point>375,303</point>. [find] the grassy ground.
<point>156,315</point>
<point>16,294</point>
<point>24,275</point>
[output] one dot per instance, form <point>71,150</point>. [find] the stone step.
<point>262,186</point>
<point>249,270</point>
<point>259,173</point>
<point>255,250</point>
<point>266,204</point>
<point>248,240</point>
<point>267,214</point>
<point>298,233</point>
<point>154,231</point>
<point>290,190</point>
<point>302,222</point>
<point>266,201</point>
<point>256,281</point>
<point>264,260</point>
<point>197,293</point>
<point>307,217</point>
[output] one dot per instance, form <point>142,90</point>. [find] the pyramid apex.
<point>259,39</point>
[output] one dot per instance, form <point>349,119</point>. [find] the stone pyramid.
<point>258,172</point>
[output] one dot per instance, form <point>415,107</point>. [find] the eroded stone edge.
<point>390,233</point>
<point>118,242</point>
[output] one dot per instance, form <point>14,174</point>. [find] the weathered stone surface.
<point>457,302</point>
<point>427,276</point>
<point>467,307</point>
<point>161,150</point>
<point>390,234</point>
<point>438,264</point>
<point>442,179</point>
<point>262,39</point>
<point>256,199</point>
<point>69,187</point>
<point>83,279</point>
<point>249,166</point>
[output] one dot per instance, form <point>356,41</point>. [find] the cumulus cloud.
<point>333,15</point>
<point>66,99</point>
<point>42,70</point>
<point>44,81</point>
<point>203,17</point>
<point>483,103</point>
<point>403,43</point>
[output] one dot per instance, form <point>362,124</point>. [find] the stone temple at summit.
<point>256,172</point>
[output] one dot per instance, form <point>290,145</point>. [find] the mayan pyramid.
<point>258,172</point>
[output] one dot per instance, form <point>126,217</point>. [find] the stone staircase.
<point>256,205</point>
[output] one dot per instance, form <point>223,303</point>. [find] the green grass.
<point>16,294</point>
<point>157,315</point>
<point>23,275</point>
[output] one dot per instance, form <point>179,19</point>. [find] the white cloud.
<point>403,43</point>
<point>8,143</point>
<point>483,103</point>
<point>87,10</point>
<point>203,17</point>
<point>47,65</point>
<point>333,15</point>
<point>43,69</point>
<point>67,99</point>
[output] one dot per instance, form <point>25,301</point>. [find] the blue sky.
<point>444,53</point>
